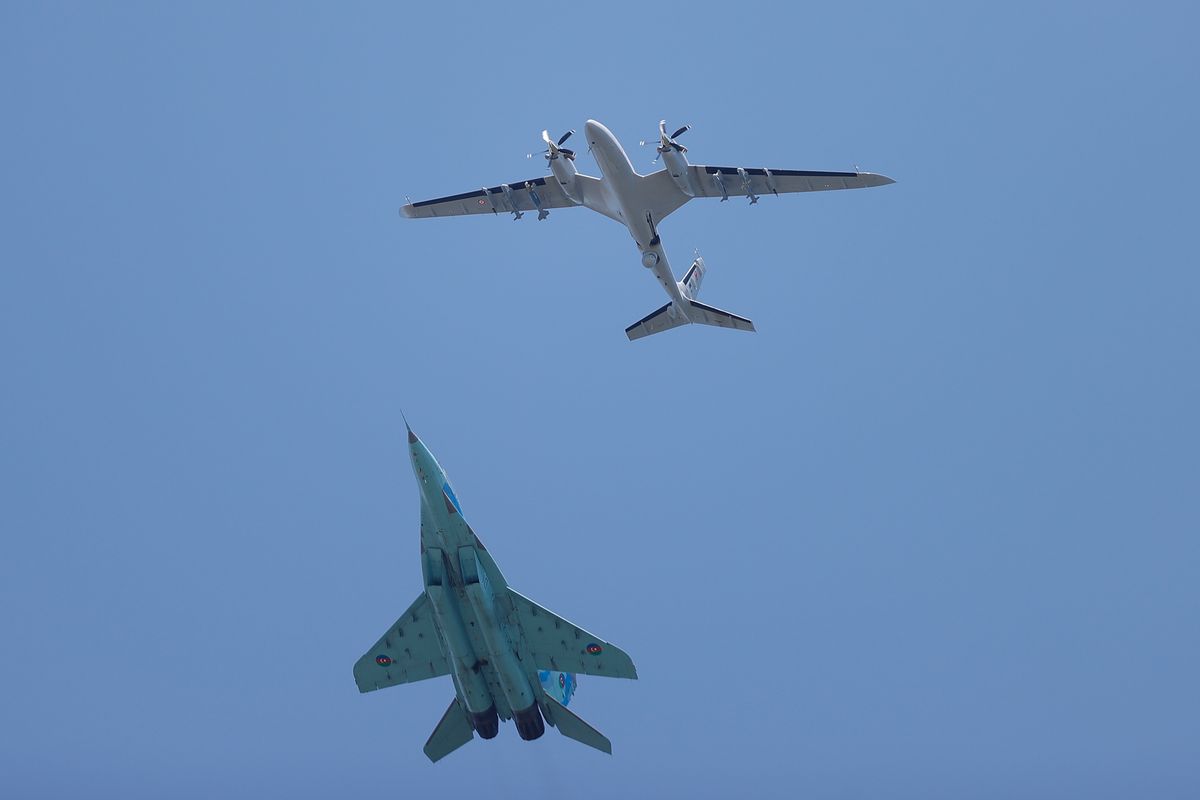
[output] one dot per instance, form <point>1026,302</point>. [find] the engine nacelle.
<point>564,172</point>
<point>677,167</point>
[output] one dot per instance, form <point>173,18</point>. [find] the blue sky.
<point>931,532</point>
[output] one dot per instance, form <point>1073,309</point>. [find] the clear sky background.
<point>930,533</point>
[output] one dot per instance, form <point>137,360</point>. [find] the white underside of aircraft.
<point>641,203</point>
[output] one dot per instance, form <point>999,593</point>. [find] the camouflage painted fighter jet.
<point>509,658</point>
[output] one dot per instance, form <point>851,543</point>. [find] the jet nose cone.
<point>412,437</point>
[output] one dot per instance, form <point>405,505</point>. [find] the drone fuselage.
<point>625,193</point>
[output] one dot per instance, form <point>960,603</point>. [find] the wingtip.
<point>407,211</point>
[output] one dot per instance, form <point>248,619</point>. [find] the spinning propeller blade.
<point>553,149</point>
<point>666,143</point>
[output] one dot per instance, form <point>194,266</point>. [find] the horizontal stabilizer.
<point>450,734</point>
<point>656,322</point>
<point>707,315</point>
<point>573,727</point>
<point>667,317</point>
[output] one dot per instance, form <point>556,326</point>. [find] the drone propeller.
<point>553,149</point>
<point>666,143</point>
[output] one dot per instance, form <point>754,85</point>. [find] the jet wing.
<point>559,645</point>
<point>729,182</point>
<point>520,197</point>
<point>409,651</point>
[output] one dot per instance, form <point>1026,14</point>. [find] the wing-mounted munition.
<point>508,657</point>
<point>511,198</point>
<point>641,203</point>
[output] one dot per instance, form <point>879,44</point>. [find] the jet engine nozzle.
<point>486,723</point>
<point>530,724</point>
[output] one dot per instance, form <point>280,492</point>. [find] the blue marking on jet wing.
<point>450,493</point>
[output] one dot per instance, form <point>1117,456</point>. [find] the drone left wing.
<point>536,194</point>
<point>723,182</point>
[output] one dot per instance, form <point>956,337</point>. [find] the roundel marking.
<point>383,660</point>
<point>562,681</point>
<point>594,649</point>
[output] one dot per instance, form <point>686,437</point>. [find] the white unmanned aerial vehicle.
<point>640,203</point>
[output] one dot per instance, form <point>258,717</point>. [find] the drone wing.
<point>743,181</point>
<point>512,198</point>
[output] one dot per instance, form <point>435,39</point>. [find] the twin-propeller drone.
<point>641,203</point>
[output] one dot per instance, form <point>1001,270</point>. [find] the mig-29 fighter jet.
<point>509,658</point>
<point>641,203</point>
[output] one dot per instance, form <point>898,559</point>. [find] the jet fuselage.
<point>464,586</point>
